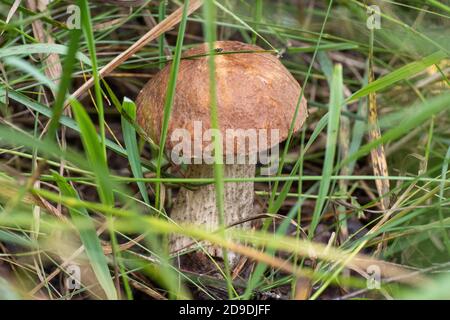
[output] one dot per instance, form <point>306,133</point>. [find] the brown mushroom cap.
<point>254,91</point>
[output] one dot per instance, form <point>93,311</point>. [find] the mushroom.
<point>255,94</point>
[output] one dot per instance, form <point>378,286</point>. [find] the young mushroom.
<point>256,101</point>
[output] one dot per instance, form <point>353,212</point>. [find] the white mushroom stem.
<point>198,207</point>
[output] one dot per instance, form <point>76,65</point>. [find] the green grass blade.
<point>90,240</point>
<point>86,23</point>
<point>210,32</point>
<point>326,65</point>
<point>402,73</point>
<point>64,84</point>
<point>64,120</point>
<point>436,289</point>
<point>94,152</point>
<point>43,48</point>
<point>97,160</point>
<point>323,47</point>
<point>336,99</point>
<point>359,129</point>
<point>129,136</point>
<point>170,96</point>
<point>31,70</point>
<point>13,137</point>
<point>287,186</point>
<point>258,13</point>
<point>13,238</point>
<point>439,5</point>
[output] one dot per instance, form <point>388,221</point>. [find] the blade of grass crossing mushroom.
<point>170,95</point>
<point>132,221</point>
<point>86,23</point>
<point>336,100</point>
<point>377,154</point>
<point>129,136</point>
<point>275,262</point>
<point>175,180</point>
<point>210,32</point>
<point>89,238</point>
